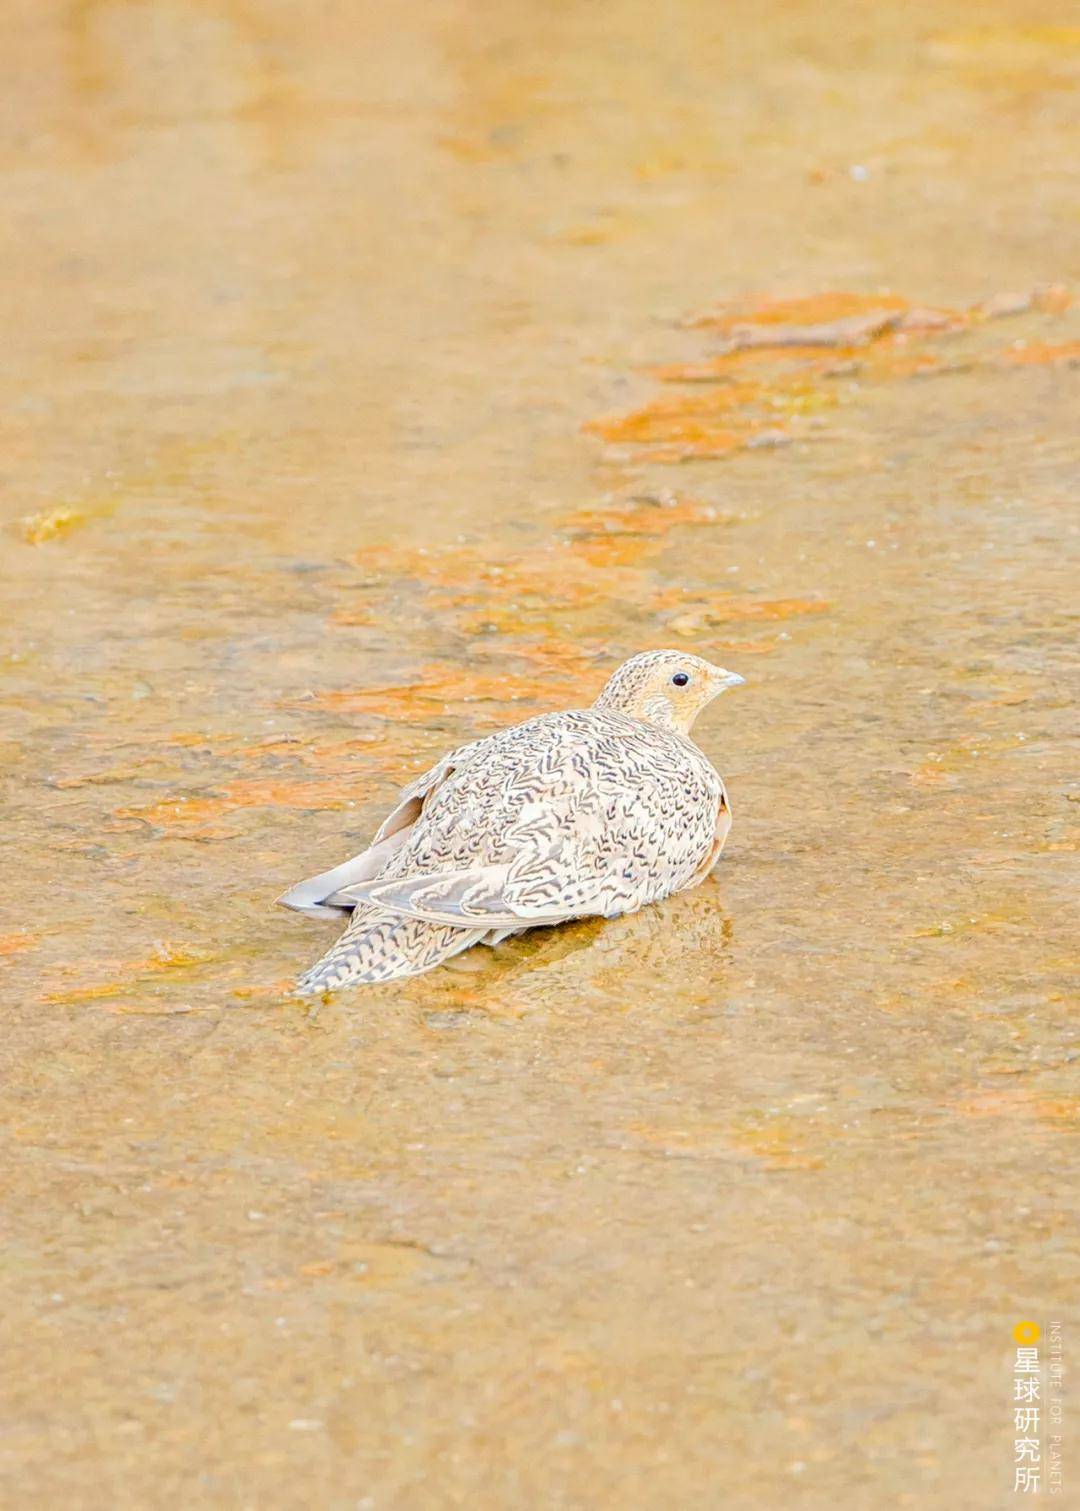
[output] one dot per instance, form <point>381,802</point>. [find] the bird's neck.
<point>651,709</point>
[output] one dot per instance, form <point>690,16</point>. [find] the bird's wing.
<point>410,803</point>
<point>479,896</point>
<point>560,858</point>
<point>486,895</point>
<point>720,834</point>
<point>329,894</point>
<point>326,895</point>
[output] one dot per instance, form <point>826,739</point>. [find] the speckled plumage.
<point>596,811</point>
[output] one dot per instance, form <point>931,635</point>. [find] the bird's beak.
<point>731,679</point>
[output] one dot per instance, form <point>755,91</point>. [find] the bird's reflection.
<point>674,950</point>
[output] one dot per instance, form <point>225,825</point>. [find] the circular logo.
<point>1027,1332</point>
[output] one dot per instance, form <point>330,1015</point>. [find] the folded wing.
<point>329,895</point>
<point>486,895</point>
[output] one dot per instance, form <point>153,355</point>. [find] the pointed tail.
<point>382,946</point>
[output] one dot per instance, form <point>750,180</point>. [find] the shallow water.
<point>372,382</point>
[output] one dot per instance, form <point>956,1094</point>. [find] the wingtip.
<point>301,900</point>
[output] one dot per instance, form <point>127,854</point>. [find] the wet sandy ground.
<point>376,375</point>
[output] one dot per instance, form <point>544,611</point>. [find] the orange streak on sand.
<point>260,792</point>
<point>550,573</point>
<point>15,944</point>
<point>124,974</point>
<point>804,310</point>
<point>439,688</point>
<point>1021,1101</point>
<point>778,359</point>
<point>653,517</point>
<point>697,613</point>
<point>50,524</point>
<point>559,658</point>
<point>687,418</point>
<point>723,368</point>
<point>1041,354</point>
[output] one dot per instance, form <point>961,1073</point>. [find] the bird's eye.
<point>680,679</point>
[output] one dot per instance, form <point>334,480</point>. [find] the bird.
<point>596,811</point>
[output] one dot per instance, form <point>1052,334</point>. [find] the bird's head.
<point>669,688</point>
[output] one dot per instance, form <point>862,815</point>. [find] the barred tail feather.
<point>383,946</point>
